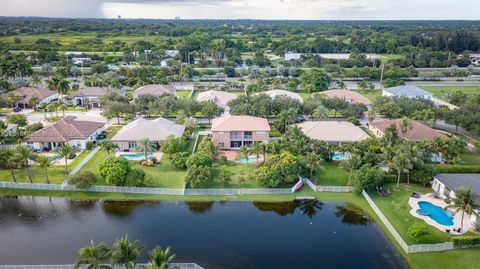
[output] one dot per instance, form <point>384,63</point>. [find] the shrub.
<point>418,230</point>
<point>115,170</point>
<point>223,160</point>
<point>199,176</point>
<point>367,177</point>
<point>199,159</point>
<point>33,128</point>
<point>135,178</point>
<point>83,179</point>
<point>89,145</point>
<point>154,160</point>
<point>454,168</point>
<point>224,176</point>
<point>19,119</point>
<point>354,121</point>
<point>466,241</point>
<point>179,160</point>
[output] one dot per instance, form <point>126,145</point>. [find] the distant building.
<point>347,95</point>
<point>172,53</point>
<point>232,132</point>
<point>408,91</point>
<point>475,59</point>
<point>220,98</point>
<point>277,93</point>
<point>337,132</point>
<point>415,132</point>
<point>24,94</point>
<point>289,56</point>
<point>154,89</point>
<point>81,60</point>
<point>90,96</point>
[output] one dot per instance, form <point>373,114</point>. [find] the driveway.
<point>91,115</point>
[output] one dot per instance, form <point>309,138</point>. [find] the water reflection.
<point>199,207</point>
<point>125,208</point>
<point>352,215</point>
<point>310,208</point>
<point>282,209</point>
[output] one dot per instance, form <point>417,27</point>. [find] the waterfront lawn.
<point>371,95</point>
<point>397,210</point>
<point>163,175</point>
<point>242,175</point>
<point>333,174</point>
<point>56,173</point>
<point>441,91</point>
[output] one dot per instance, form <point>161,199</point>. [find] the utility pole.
<point>381,75</point>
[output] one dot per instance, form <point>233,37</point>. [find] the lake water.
<point>308,234</point>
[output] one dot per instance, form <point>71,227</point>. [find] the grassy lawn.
<point>305,95</point>
<point>371,95</point>
<point>56,173</point>
<point>471,158</point>
<point>397,210</point>
<point>440,91</point>
<point>183,94</point>
<point>332,175</point>
<point>242,175</point>
<point>164,175</point>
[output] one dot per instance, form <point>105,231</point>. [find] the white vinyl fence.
<point>321,188</point>
<point>117,266</point>
<point>396,235</point>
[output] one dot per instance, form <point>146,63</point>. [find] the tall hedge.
<point>466,241</point>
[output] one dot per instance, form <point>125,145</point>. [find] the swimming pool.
<point>135,156</point>
<point>251,159</point>
<point>436,158</point>
<point>436,213</point>
<point>337,156</point>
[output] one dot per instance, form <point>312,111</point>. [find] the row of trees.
<point>123,252</point>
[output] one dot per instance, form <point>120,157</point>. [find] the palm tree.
<point>126,252</point>
<point>464,200</point>
<point>33,102</point>
<point>7,159</point>
<point>312,163</point>
<point>24,154</point>
<point>93,255</point>
<point>371,115</point>
<point>276,146</point>
<point>400,163</point>
<point>145,145</point>
<point>405,124</point>
<point>108,146</point>
<point>36,80</point>
<point>160,259</point>
<point>320,112</point>
<point>12,97</point>
<point>257,150</point>
<point>263,149</point>
<point>245,152</point>
<point>44,162</point>
<point>65,151</point>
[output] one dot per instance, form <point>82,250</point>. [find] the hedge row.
<point>466,241</point>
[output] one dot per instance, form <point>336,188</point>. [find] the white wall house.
<point>445,185</point>
<point>408,91</point>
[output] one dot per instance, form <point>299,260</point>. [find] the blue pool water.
<point>251,159</point>
<point>440,216</point>
<point>135,156</point>
<point>436,158</point>
<point>337,156</point>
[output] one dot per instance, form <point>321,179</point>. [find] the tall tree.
<point>160,259</point>
<point>146,146</point>
<point>44,162</point>
<point>93,256</point>
<point>65,151</point>
<point>464,200</point>
<point>24,154</point>
<point>126,252</point>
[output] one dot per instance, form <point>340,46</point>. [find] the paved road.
<point>451,128</point>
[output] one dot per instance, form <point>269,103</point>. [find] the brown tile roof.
<point>239,123</point>
<point>417,132</point>
<point>348,95</point>
<point>65,130</point>
<point>25,93</point>
<point>154,90</point>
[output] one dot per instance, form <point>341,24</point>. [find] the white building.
<point>445,186</point>
<point>408,91</point>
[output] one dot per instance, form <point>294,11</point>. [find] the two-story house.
<point>232,132</point>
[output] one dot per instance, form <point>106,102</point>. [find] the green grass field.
<point>183,94</point>
<point>470,158</point>
<point>332,175</point>
<point>242,175</point>
<point>441,91</point>
<point>371,95</point>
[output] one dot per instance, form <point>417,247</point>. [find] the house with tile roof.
<point>277,93</point>
<point>154,89</point>
<point>416,131</point>
<point>24,94</point>
<point>91,96</point>
<point>68,130</point>
<point>232,132</point>
<point>347,95</point>
<point>336,132</point>
<point>156,130</point>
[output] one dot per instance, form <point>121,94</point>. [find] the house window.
<point>221,145</point>
<point>79,144</point>
<point>132,144</point>
<point>446,192</point>
<point>220,134</point>
<point>260,133</point>
<point>247,135</point>
<point>236,135</point>
<point>235,144</point>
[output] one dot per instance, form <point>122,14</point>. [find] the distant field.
<point>440,91</point>
<point>371,95</point>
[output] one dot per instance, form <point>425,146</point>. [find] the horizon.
<point>350,10</point>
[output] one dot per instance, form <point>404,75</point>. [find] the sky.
<point>248,9</point>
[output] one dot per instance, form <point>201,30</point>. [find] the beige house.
<point>154,89</point>
<point>68,130</point>
<point>232,132</point>
<point>156,130</point>
<point>277,93</point>
<point>415,132</point>
<point>24,94</point>
<point>347,95</point>
<point>338,132</point>
<point>220,98</point>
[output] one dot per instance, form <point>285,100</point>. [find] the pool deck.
<point>156,154</point>
<point>457,218</point>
